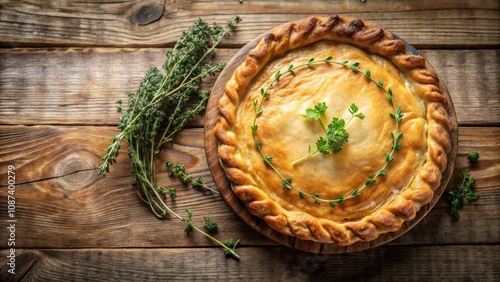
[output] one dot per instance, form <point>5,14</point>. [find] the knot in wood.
<point>76,171</point>
<point>145,14</point>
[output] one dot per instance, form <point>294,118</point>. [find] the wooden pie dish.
<point>216,166</point>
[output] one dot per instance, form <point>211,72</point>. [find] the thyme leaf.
<point>473,156</point>
<point>180,171</point>
<point>231,245</point>
<point>211,226</point>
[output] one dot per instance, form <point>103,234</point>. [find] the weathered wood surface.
<point>81,85</point>
<point>60,193</point>
<point>159,23</point>
<point>64,64</point>
<point>425,263</point>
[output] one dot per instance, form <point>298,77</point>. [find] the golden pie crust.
<point>411,178</point>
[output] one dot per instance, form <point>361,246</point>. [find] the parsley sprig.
<point>316,114</point>
<point>164,102</point>
<point>336,133</point>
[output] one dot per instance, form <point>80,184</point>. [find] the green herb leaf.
<point>465,190</point>
<point>189,221</point>
<point>210,225</point>
<point>354,67</point>
<point>287,183</point>
<point>380,83</point>
<point>388,157</point>
<point>382,172</point>
<point>359,115</point>
<point>171,192</point>
<point>473,156</point>
<point>180,171</point>
<point>368,73</point>
<point>336,134</point>
<point>390,100</point>
<point>340,199</point>
<point>317,112</point>
<point>315,197</point>
<point>198,182</point>
<point>323,146</point>
<point>353,108</point>
<point>370,181</point>
<point>355,193</point>
<point>309,63</point>
<point>231,245</point>
<point>277,75</point>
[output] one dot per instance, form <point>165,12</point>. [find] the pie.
<point>389,166</point>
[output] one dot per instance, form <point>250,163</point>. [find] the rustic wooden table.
<point>63,64</point>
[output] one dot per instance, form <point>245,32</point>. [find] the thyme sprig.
<point>231,245</point>
<point>180,171</point>
<point>396,135</point>
<point>161,107</point>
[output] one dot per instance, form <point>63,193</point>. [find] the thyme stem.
<point>159,94</point>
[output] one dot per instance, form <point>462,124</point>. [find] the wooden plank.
<point>473,90</point>
<point>437,263</point>
<point>76,86</point>
<point>61,199</point>
<point>81,85</point>
<point>150,23</point>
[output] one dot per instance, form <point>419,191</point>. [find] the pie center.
<point>286,136</point>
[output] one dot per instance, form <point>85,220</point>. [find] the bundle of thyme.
<point>161,107</point>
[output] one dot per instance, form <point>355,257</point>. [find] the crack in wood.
<point>54,177</point>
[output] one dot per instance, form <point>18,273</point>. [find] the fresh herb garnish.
<point>323,144</point>
<point>180,171</point>
<point>473,156</point>
<point>211,226</point>
<point>465,191</point>
<point>231,245</point>
<point>161,107</point>
<point>189,222</point>
<point>172,193</point>
<point>336,133</point>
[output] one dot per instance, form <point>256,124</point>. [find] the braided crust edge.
<point>388,218</point>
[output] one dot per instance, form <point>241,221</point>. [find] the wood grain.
<point>154,23</point>
<point>81,85</point>
<point>57,115</point>
<point>425,263</point>
<point>61,199</point>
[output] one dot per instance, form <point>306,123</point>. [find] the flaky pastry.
<point>369,187</point>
